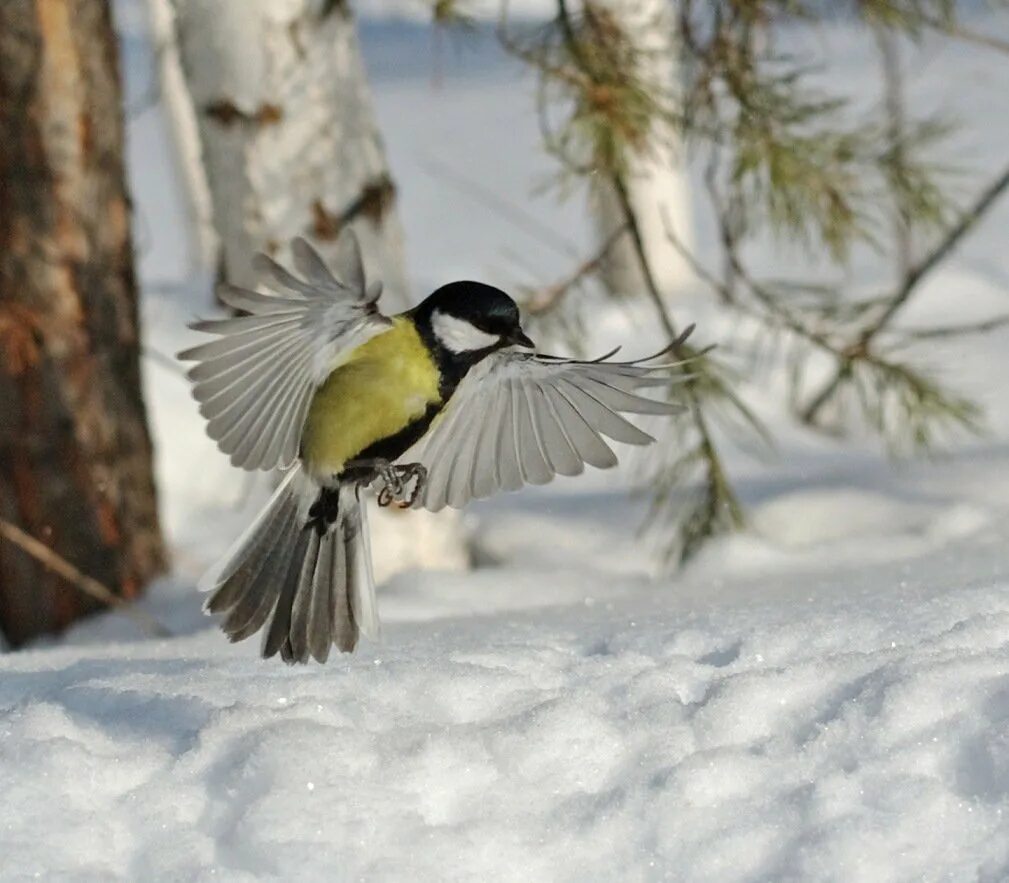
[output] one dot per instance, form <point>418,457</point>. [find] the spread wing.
<point>519,418</point>
<point>254,382</point>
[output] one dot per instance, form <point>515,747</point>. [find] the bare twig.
<point>969,35</point>
<point>722,492</point>
<point>509,211</point>
<point>546,299</point>
<point>82,582</point>
<point>981,327</point>
<point>915,275</point>
<point>164,360</point>
<point>918,271</point>
<point>720,502</point>
<point>777,313</point>
<point>717,285</point>
<point>728,226</point>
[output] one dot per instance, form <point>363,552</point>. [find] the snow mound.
<point>624,739</point>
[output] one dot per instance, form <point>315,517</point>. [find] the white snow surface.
<point>824,697</point>
<point>534,726</point>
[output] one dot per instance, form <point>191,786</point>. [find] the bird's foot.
<point>401,484</point>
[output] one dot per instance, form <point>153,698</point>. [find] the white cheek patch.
<point>460,336</point>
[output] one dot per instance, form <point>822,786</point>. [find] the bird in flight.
<point>439,405</point>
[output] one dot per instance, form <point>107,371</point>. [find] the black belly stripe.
<point>394,446</point>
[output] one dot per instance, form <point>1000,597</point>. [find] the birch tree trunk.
<point>203,244</point>
<point>75,455</point>
<point>291,148</point>
<point>289,139</point>
<point>657,184</point>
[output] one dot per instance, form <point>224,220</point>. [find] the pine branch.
<point>719,502</point>
<point>915,275</point>
<point>786,154</point>
<point>776,313</point>
<point>730,223</point>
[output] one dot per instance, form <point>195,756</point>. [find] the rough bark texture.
<point>75,455</point>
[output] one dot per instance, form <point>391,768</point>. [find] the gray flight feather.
<point>519,418</point>
<point>305,591</point>
<point>255,382</point>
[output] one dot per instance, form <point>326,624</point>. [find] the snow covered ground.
<point>825,697</point>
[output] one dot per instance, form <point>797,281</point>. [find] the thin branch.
<point>819,401</point>
<point>720,287</point>
<point>957,330</point>
<point>82,582</point>
<point>728,225</point>
<point>918,271</point>
<point>777,313</point>
<point>509,211</point>
<point>631,220</point>
<point>546,299</point>
<point>915,275</point>
<point>164,360</point>
<point>969,35</point>
<point>718,481</point>
<point>720,500</point>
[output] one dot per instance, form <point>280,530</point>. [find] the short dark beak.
<point>519,338</point>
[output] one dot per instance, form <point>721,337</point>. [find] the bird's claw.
<point>401,485</point>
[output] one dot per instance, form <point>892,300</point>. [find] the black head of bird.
<point>469,320</point>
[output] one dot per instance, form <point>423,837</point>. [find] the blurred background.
<point>817,186</point>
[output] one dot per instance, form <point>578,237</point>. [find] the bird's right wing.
<point>255,382</point>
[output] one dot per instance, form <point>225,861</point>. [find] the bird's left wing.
<point>255,382</point>
<point>519,418</point>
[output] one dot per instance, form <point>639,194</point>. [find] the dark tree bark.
<point>75,455</point>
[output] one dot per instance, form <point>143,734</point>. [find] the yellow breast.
<point>384,386</point>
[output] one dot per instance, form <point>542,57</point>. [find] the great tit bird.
<point>442,404</point>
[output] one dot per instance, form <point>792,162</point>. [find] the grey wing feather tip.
<point>350,264</point>
<point>254,379</point>
<point>313,267</point>
<point>640,363</point>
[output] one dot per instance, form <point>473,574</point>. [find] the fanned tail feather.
<point>305,589</point>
